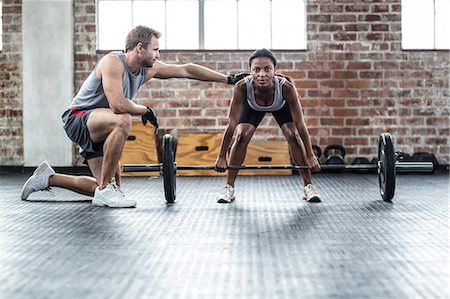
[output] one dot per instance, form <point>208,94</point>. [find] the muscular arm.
<point>291,96</point>
<point>190,70</point>
<point>110,71</point>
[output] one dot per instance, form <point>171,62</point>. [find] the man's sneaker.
<point>226,195</point>
<point>111,196</point>
<point>38,181</point>
<point>311,193</point>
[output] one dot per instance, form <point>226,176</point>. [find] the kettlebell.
<point>401,156</point>
<point>337,157</point>
<point>317,151</point>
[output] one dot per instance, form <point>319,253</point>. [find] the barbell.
<point>386,167</point>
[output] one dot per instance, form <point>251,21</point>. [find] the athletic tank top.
<point>278,100</point>
<point>91,94</point>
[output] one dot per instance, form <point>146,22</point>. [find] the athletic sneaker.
<point>226,195</point>
<point>38,181</point>
<point>112,197</point>
<point>311,193</point>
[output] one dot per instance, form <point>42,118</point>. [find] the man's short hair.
<point>140,34</point>
<point>262,53</point>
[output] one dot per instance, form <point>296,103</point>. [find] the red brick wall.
<point>11,129</point>
<point>354,79</point>
<point>85,40</point>
<point>85,52</point>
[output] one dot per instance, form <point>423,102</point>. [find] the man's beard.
<point>147,63</point>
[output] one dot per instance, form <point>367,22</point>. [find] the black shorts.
<point>75,125</point>
<point>251,116</point>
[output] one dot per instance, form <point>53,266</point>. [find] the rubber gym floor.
<point>267,244</point>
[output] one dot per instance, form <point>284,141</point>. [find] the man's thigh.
<point>101,122</point>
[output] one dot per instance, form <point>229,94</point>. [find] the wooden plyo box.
<point>260,152</point>
<point>140,148</point>
<point>198,149</point>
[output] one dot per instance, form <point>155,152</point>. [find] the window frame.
<point>421,46</point>
<point>1,25</point>
<point>201,29</point>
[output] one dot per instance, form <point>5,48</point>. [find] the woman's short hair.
<point>262,53</point>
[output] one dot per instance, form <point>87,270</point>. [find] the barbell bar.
<point>400,167</point>
<point>386,167</point>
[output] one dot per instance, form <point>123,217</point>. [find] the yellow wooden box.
<point>198,149</point>
<point>261,152</point>
<point>140,148</point>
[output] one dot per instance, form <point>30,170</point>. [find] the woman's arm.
<point>291,96</point>
<point>239,94</point>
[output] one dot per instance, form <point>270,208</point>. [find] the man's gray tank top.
<point>278,101</point>
<point>91,94</point>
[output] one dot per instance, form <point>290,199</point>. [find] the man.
<point>261,92</point>
<point>99,117</point>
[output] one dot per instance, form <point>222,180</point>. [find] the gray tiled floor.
<point>267,244</point>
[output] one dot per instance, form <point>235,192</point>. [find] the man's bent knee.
<point>103,121</point>
<point>124,122</point>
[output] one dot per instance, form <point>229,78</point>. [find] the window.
<point>206,24</point>
<point>1,25</point>
<point>426,24</point>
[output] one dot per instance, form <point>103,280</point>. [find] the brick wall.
<point>85,44</point>
<point>354,79</point>
<point>11,131</point>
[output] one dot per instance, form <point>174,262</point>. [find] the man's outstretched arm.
<point>191,71</point>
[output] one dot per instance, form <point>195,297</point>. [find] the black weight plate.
<point>386,166</point>
<point>169,168</point>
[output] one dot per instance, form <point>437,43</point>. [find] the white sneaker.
<point>311,193</point>
<point>111,196</point>
<point>38,181</point>
<point>226,195</point>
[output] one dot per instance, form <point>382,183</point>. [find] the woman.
<point>260,92</point>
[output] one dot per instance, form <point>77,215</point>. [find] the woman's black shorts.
<point>251,116</point>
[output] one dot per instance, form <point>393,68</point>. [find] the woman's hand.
<point>313,163</point>
<point>221,165</point>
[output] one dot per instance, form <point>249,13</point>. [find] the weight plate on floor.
<point>169,168</point>
<point>386,166</point>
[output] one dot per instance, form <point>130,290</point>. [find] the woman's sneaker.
<point>38,181</point>
<point>112,196</point>
<point>311,193</point>
<point>226,195</point>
